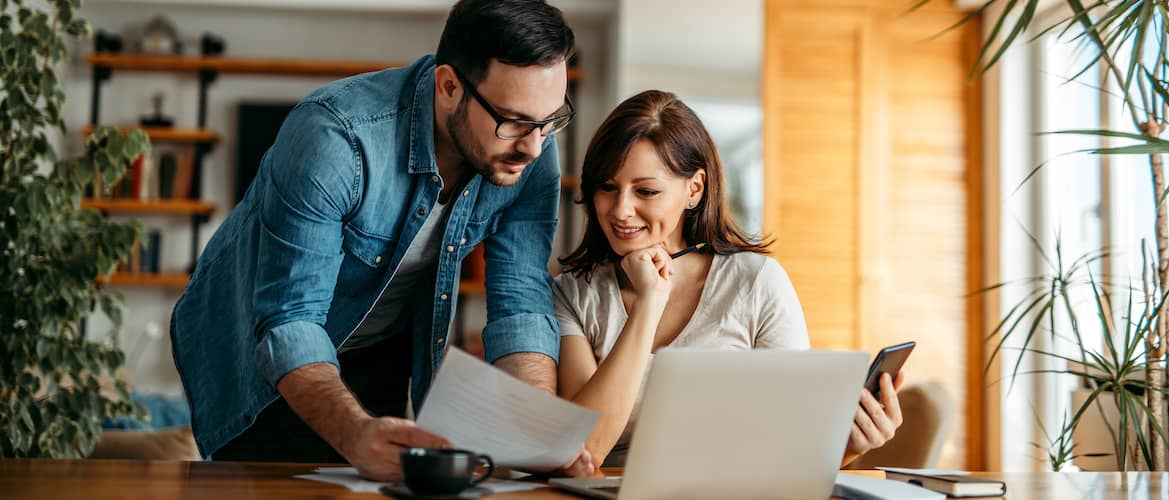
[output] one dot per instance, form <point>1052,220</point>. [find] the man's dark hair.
<point>515,32</point>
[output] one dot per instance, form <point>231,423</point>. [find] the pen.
<point>687,250</point>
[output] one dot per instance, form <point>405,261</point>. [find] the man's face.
<point>527,93</point>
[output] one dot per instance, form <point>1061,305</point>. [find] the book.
<point>952,483</point>
<point>147,184</point>
<point>148,262</point>
<point>133,261</point>
<point>130,186</point>
<point>167,164</point>
<point>184,176</point>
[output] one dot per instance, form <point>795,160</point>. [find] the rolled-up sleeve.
<point>313,183</point>
<point>519,289</point>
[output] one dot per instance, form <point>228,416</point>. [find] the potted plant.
<point>56,386</point>
<point>1125,379</point>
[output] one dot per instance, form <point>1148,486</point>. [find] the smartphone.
<point>889,360</point>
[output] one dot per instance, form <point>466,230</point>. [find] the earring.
<point>692,205</point>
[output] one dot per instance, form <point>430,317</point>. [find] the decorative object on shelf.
<point>107,42</point>
<point>157,119</point>
<point>159,36</point>
<point>52,400</point>
<point>211,45</point>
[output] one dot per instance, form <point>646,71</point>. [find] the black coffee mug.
<point>433,471</point>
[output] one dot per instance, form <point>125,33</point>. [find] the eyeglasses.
<point>514,128</point>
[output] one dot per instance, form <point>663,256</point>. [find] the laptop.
<point>738,425</point>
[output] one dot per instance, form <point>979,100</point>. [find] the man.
<point>332,284</point>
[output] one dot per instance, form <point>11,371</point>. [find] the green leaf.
<point>1138,149</point>
<point>1110,133</point>
<point>1020,27</point>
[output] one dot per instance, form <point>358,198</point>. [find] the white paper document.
<point>347,477</point>
<point>480,408</point>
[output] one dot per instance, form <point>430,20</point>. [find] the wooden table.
<point>126,479</point>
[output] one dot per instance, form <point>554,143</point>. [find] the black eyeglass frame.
<point>531,125</point>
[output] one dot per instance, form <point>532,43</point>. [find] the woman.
<point>652,187</point>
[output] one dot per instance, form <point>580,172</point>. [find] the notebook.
<point>952,483</point>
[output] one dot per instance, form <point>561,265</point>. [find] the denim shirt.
<point>333,208</point>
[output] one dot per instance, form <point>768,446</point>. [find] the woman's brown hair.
<point>685,147</point>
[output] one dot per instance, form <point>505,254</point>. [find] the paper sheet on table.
<point>480,408</point>
<point>347,477</point>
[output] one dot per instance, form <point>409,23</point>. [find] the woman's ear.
<point>696,187</point>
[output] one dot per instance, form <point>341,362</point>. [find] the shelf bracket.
<point>197,220</point>
<point>206,78</point>
<point>100,75</point>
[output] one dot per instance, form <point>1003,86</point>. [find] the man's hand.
<point>371,444</point>
<point>375,446</point>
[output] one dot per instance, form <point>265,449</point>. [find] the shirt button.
<point>450,248</point>
<point>377,260</point>
<point>463,241</point>
<point>440,340</point>
<point>434,178</point>
<point>467,192</point>
<point>443,296</point>
<point>421,211</point>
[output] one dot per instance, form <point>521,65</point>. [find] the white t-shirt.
<point>748,302</point>
<point>418,268</point>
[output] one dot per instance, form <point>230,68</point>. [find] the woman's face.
<point>644,203</point>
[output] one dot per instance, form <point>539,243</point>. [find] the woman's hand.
<point>649,271</point>
<point>875,422</point>
<point>580,465</point>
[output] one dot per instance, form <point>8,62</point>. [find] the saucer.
<point>400,491</point>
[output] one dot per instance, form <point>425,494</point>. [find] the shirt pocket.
<point>365,262</point>
<point>477,231</point>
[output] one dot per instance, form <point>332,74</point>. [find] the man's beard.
<point>473,152</point>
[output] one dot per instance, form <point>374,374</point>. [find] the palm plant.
<point>1129,43</point>
<point>1116,370</point>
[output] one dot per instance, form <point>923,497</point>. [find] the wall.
<point>873,187</point>
<point>261,29</point>
<point>713,66</point>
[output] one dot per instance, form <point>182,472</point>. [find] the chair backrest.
<point>927,413</point>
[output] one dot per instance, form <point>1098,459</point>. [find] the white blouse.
<point>748,302</point>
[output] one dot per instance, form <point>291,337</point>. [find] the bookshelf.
<point>158,280</point>
<point>472,287</point>
<point>247,66</point>
<point>170,134</point>
<point>568,182</point>
<point>161,207</point>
